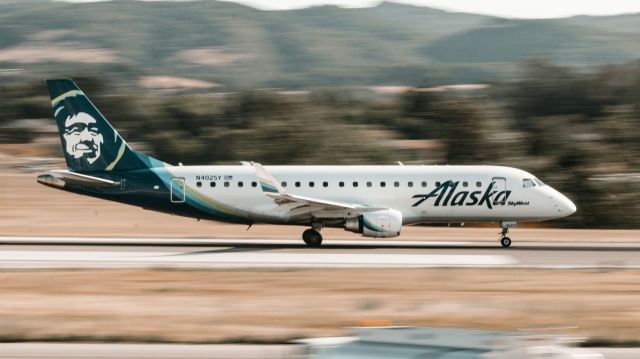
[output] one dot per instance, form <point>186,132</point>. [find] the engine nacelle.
<point>381,223</point>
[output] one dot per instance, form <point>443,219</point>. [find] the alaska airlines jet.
<point>374,201</point>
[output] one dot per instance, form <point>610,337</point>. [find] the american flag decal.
<point>228,178</point>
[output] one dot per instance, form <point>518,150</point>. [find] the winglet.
<point>271,187</point>
<point>267,182</point>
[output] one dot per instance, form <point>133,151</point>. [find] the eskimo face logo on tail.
<point>82,137</point>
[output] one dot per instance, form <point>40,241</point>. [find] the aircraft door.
<point>177,190</point>
<point>499,186</point>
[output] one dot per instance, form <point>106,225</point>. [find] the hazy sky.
<point>505,8</point>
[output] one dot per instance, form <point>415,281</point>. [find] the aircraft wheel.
<point>505,241</point>
<point>312,238</point>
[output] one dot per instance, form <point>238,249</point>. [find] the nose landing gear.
<point>505,241</point>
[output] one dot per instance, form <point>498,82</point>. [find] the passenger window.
<point>478,184</point>
<point>396,184</point>
<point>311,184</point>
<point>199,184</point>
<point>465,184</point>
<point>410,184</point>
<point>254,184</point>
<point>341,184</point>
<point>297,184</point>
<point>438,184</point>
<point>355,184</point>
<point>325,184</point>
<point>369,184</point>
<point>240,184</point>
<point>383,184</point>
<point>212,184</point>
<point>226,183</point>
<point>527,183</point>
<point>284,184</point>
<point>424,183</point>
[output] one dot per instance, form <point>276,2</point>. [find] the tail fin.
<point>89,142</point>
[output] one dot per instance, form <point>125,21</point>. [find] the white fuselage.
<point>423,194</point>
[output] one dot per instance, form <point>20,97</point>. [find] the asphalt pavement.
<point>79,252</point>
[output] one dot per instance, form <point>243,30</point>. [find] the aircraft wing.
<point>272,188</point>
<point>53,177</point>
<point>289,198</point>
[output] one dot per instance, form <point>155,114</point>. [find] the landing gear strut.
<point>312,237</point>
<point>504,237</point>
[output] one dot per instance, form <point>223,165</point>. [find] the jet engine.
<point>380,223</point>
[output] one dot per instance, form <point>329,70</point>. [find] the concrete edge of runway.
<point>33,350</point>
<point>107,252</point>
<point>197,242</point>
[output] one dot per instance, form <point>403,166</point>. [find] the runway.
<point>79,252</point>
<point>146,351</point>
<point>185,351</point>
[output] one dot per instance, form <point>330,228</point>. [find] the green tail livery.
<point>101,164</point>
<point>89,142</point>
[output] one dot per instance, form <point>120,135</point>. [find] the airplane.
<point>374,201</point>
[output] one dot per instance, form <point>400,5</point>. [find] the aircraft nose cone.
<point>566,206</point>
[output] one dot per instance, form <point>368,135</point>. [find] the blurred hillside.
<point>240,47</point>
<point>211,82</point>
<point>578,132</point>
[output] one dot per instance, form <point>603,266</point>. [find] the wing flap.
<point>313,201</point>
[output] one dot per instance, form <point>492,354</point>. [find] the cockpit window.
<point>540,183</point>
<point>528,182</point>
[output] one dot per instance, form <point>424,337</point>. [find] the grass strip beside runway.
<point>276,305</point>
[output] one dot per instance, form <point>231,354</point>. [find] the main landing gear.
<point>504,237</point>
<point>312,237</point>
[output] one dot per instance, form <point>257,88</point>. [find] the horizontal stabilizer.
<point>58,178</point>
